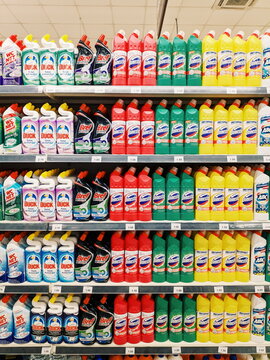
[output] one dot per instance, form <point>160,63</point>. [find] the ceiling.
<point>93,17</point>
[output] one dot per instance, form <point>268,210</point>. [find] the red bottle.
<point>120,320</point>
<point>148,318</point>
<point>134,319</point>
<point>118,128</point>
<point>149,59</point>
<point>119,66</point>
<point>133,128</point>
<point>118,257</point>
<point>144,195</point>
<point>134,59</point>
<point>130,195</point>
<point>147,128</point>
<point>145,258</point>
<point>116,195</point>
<point>131,257</point>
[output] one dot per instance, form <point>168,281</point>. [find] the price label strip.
<point>56,289</point>
<point>222,350</point>
<point>175,226</point>
<point>133,290</point>
<point>261,349</point>
<point>130,227</point>
<point>130,351</point>
<point>57,227</point>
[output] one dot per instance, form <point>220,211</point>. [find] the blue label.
<point>33,266</point>
<point>38,328</point>
<point>49,266</point>
<point>55,329</point>
<point>71,329</point>
<point>66,266</point>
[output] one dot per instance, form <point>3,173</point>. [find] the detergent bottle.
<point>162,124</point>
<point>134,319</point>
<point>84,62</point>
<point>33,258</point>
<point>261,194</point>
<point>187,257</point>
<point>119,64</point>
<point>118,128</point>
<point>102,131</point>
<point>257,257</point>
<point>173,258</point>
<point>246,185</point>
<point>144,195</point>
<point>4,238</point>
<point>100,199</point>
<point>64,195</point>
<point>50,258</point>
<point>38,319</point>
<point>267,272</point>
<point>130,195</point>
<point>66,257</point>
<point>158,198</point>
<point>16,258</point>
<point>217,193</point>
<point>30,61</point>
<point>21,317</point>
<point>215,257</point>
<point>116,195</point>
<point>263,127</point>
<point>65,130</point>
<point>230,318</point>
<point>12,130</point>
<point>161,318</point>
<point>175,318</point>
<point>131,257</point>
<point>134,59</point>
<point>186,195</point>
<point>209,65</point>
<point>84,129</point>
<point>159,258</point>
<point>48,61</point>
<point>65,62</point>
<point>225,59</point>
<point>54,320</point>
<point>133,124</point>
<point>7,328</point>
<point>206,118</point>
<point>30,129</point>
<point>30,196</point>
<point>147,128</point>
<point>235,128</point>
<point>239,59</point>
<point>220,128</point>
<point>265,39</point>
<point>145,258</point>
<point>258,311</point>
<point>254,59</point>
<point>47,124</point>
<point>84,254</point>
<point>191,142</point>
<point>231,194</point>
<point>242,256</point>
<point>228,257</point>
<point>149,59</point>
<point>201,257</point>
<point>203,318</point>
<point>194,59</point>
<point>71,321</point>
<point>216,318</point>
<point>148,318</point>
<point>172,195</point>
<point>82,196</point>
<point>11,62</point>
<point>87,321</point>
<point>189,318</point>
<point>164,60</point>
<point>179,61</point>
<point>101,260</point>
<point>102,63</point>
<point>243,318</point>
<point>12,198</point>
<point>202,188</point>
<point>46,195</point>
<point>105,319</point>
<point>120,320</point>
<point>176,135</point>
<point>250,128</point>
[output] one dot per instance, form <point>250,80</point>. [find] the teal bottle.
<point>187,195</point>
<point>179,61</point>
<point>191,142</point>
<point>164,60</point>
<point>172,195</point>
<point>158,198</point>
<point>177,121</point>
<point>159,258</point>
<point>162,123</point>
<point>194,60</point>
<point>189,318</point>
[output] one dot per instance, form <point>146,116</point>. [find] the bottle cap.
<point>181,34</point>
<point>212,33</point>
<point>188,170</point>
<point>174,170</point>
<point>203,170</point>
<point>166,35</point>
<point>228,32</point>
<point>208,102</point>
<point>265,101</point>
<point>163,103</point>
<point>121,33</point>
<point>196,33</point>
<point>178,103</point>
<point>159,170</point>
<point>102,108</point>
<point>240,34</point>
<point>136,32</point>
<point>255,33</point>
<point>237,102</point>
<point>222,102</point>
<point>251,102</point>
<point>193,103</point>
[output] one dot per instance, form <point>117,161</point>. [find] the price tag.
<point>130,226</point>
<point>232,158</point>
<point>40,89</point>
<point>87,289</point>
<point>178,290</point>
<point>132,159</point>
<point>96,159</point>
<point>218,289</point>
<point>57,227</point>
<point>178,159</point>
<point>222,226</point>
<point>99,89</point>
<point>56,289</point>
<point>176,350</point>
<point>231,91</point>
<point>130,351</point>
<point>133,290</point>
<point>49,89</point>
<point>222,350</point>
<point>266,159</point>
<point>175,226</point>
<point>259,289</point>
<point>2,289</point>
<point>46,350</point>
<point>266,226</point>
<point>41,158</point>
<point>268,90</point>
<point>135,90</point>
<point>179,90</point>
<point>260,349</point>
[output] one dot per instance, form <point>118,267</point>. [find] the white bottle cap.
<point>181,34</point>
<point>212,33</point>
<point>151,32</point>
<point>228,31</point>
<point>167,34</point>
<point>196,32</point>
<point>122,32</point>
<point>241,34</point>
<point>137,32</point>
<point>208,102</point>
<point>256,33</point>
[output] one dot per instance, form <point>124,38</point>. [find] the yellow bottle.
<point>220,128</point>
<point>235,128</point>
<point>215,257</point>
<point>201,257</point>
<point>230,318</point>
<point>239,59</point>
<point>202,185</point>
<point>206,136</point>
<point>243,318</point>
<point>225,58</point>
<point>242,256</point>
<point>209,66</point>
<point>216,318</point>
<point>231,194</point>
<point>203,318</point>
<point>228,257</point>
<point>246,185</point>
<point>254,59</point>
<point>250,128</point>
<point>217,183</point>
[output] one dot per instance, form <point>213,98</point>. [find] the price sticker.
<point>96,159</point>
<point>2,289</point>
<point>87,289</point>
<point>132,159</point>
<point>231,90</point>
<point>49,89</point>
<point>130,227</point>
<point>232,158</point>
<point>178,290</point>
<point>218,289</point>
<point>46,350</point>
<point>56,289</point>
<point>136,90</point>
<point>133,290</point>
<point>260,349</point>
<point>266,159</point>
<point>178,159</point>
<point>223,226</point>
<point>259,289</point>
<point>176,350</point>
<point>179,90</point>
<point>268,90</point>
<point>99,89</point>
<point>57,227</point>
<point>266,226</point>
<point>41,158</point>
<point>175,226</point>
<point>222,350</point>
<point>130,351</point>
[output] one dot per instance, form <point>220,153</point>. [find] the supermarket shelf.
<point>21,90</point>
<point>23,226</point>
<point>25,349</point>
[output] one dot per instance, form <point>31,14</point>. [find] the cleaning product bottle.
<point>257,257</point>
<point>209,65</point>
<point>116,195</point>
<point>215,257</point>
<point>133,128</point>
<point>84,129</point>
<point>267,270</point>
<point>7,328</point>
<point>33,258</point>
<point>239,59</point>
<point>119,65</point>
<point>176,128</point>
<point>194,59</point>
<point>173,258</point>
<point>172,195</point>
<point>2,110</point>
<point>82,196</point>
<point>164,60</point>
<point>242,256</point>
<point>149,59</point>
<point>120,320</point>
<point>179,61</point>
<point>71,321</point>
<point>12,198</point>
<point>131,257</point>
<point>250,128</point>
<point>161,318</point>
<point>16,258</point>
<point>84,254</point>
<point>206,118</point>
<point>50,258</point>
<point>246,186</point>
<point>87,321</point>
<point>258,311</point>
<point>100,199</point>
<point>158,198</point>
<point>261,194</point>
<point>145,258</point>
<point>243,318</point>
<point>254,59</point>
<point>46,195</point>
<point>12,130</point>
<point>225,59</point>
<point>65,130</point>
<point>191,142</point>
<point>203,318</point>
<point>105,319</point>
<point>202,188</point>
<point>144,195</point>
<point>4,238</point>
<point>175,318</point>
<point>220,128</point>
<point>189,318</point>
<point>267,325</point>
<point>134,59</point>
<point>265,39</point>
<point>47,124</point>
<point>102,131</point>
<point>54,320</point>
<point>130,195</point>
<point>228,257</point>
<point>101,260</point>
<point>38,319</point>
<point>11,61</point>
<point>64,195</point>
<point>187,257</point>
<point>147,318</point>
<point>21,317</point>
<point>30,129</point>
<point>118,128</point>
<point>134,319</point>
<point>66,257</point>
<point>217,193</point>
<point>147,128</point>
<point>216,318</point>
<point>201,257</point>
<point>102,63</point>
<point>162,124</point>
<point>65,61</point>
<point>84,62</point>
<point>48,61</point>
<point>263,127</point>
<point>230,318</point>
<point>186,195</point>
<point>159,258</point>
<point>235,128</point>
<point>231,194</point>
<point>30,61</point>
<point>30,197</point>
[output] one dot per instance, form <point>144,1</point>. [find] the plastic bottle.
<point>261,194</point>
<point>118,128</point>
<point>2,109</point>
<point>242,256</point>
<point>66,257</point>
<point>130,195</point>
<point>235,128</point>
<point>33,258</point>
<point>220,128</point>
<point>179,61</point>
<point>162,124</point>
<point>105,319</point>
<point>254,59</point>
<point>87,321</point>
<point>230,318</point>
<point>64,195</point>
<point>258,311</point>
<point>161,318</point>
<point>84,62</point>
<point>257,257</point>
<point>217,193</point>
<point>250,128</point>
<point>194,59</point>
<point>134,59</point>
<point>216,318</point>
<point>225,59</point>
<point>206,118</point>
<point>175,318</point>
<point>38,320</point>
<point>159,258</point>
<point>100,199</point>
<point>12,66</point>
<point>202,188</point>
<point>30,61</point>
<point>231,194</point>
<point>148,318</point>
<point>173,258</point>
<point>82,197</point>
<point>144,195</point>
<point>189,318</point>
<point>65,61</point>
<point>133,128</point>
<point>120,320</point>
<point>265,39</point>
<point>267,270</point>
<point>215,257</point>
<point>243,318</point>
<point>149,59</point>
<point>172,195</point>
<point>177,128</point>
<point>164,60</point>
<point>12,130</point>
<point>4,238</point>
<point>246,185</point>
<point>116,195</point>
<point>7,328</point>
<point>134,319</point>
<point>54,321</point>
<point>30,197</point>
<point>187,257</point>
<point>228,257</point>
<point>145,258</point>
<point>48,61</point>
<point>71,321</point>
<point>131,257</point>
<point>203,318</point>
<point>65,130</point>
<point>191,142</point>
<point>239,59</point>
<point>102,131</point>
<point>12,199</point>
<point>158,198</point>
<point>16,258</point>
<point>21,317</point>
<point>101,260</point>
<point>209,65</point>
<point>84,130</point>
<point>263,127</point>
<point>119,65</point>
<point>147,128</point>
<point>201,257</point>
<point>30,129</point>
<point>47,124</point>
<point>46,195</point>
<point>102,63</point>
<point>186,195</point>
<point>84,254</point>
<point>50,258</point>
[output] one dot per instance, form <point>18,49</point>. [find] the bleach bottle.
<point>16,258</point>
<point>220,128</point>
<point>175,318</point>
<point>30,196</point>
<point>145,258</point>
<point>134,319</point>
<point>33,258</point>
<point>177,128</point>
<point>133,128</point>
<point>54,321</point>
<point>239,59</point>
<point>7,324</point>
<point>189,318</point>
<point>84,254</point>
<point>65,130</point>
<point>230,318</point>
<point>216,318</point>
<point>172,195</point>
<point>64,195</point>
<point>116,195</point>
<point>202,188</point>
<point>187,257</point>
<point>261,194</point>
<point>264,127</point>
<point>162,123</point>
<point>21,316</point>
<point>134,59</point>
<point>100,200</point>
<point>38,319</point>
<point>119,65</point>
<point>225,59</point>
<point>47,124</point>
<point>30,129</point>
<point>201,257</point>
<point>102,131</point>
<point>50,258</point>
<point>12,130</point>
<point>149,59</point>
<point>215,257</point>
<point>131,257</point>
<point>144,195</point>
<point>258,311</point>
<point>84,62</point>
<point>148,318</point>
<point>46,195</point>
<point>82,196</point>
<point>206,128</point>
<point>101,260</point>
<point>194,59</point>
<point>130,195</point>
<point>12,198</point>
<point>209,66</point>
<point>243,317</point>
<point>48,61</point>
<point>187,195</point>
<point>84,129</point>
<point>12,67</point>
<point>147,128</point>
<point>265,38</point>
<point>191,142</point>
<point>161,318</point>
<point>65,61</point>
<point>66,257</point>
<point>117,270</point>
<point>118,128</point>
<point>203,318</point>
<point>30,61</point>
<point>164,60</point>
<point>254,59</point>
<point>71,321</point>
<point>102,63</point>
<point>179,61</point>
<point>4,238</point>
<point>235,128</point>
<point>158,198</point>
<point>159,258</point>
<point>250,128</point>
<point>257,257</point>
<point>173,264</point>
<point>87,321</point>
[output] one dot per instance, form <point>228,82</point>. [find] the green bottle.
<point>267,322</point>
<point>175,318</point>
<point>172,195</point>
<point>187,189</point>
<point>177,128</point>
<point>173,258</point>
<point>187,257</point>
<point>30,61</point>
<point>158,198</point>
<point>159,258</point>
<point>65,62</point>
<point>179,62</point>
<point>189,318</point>
<point>161,318</point>
<point>194,60</point>
<point>267,172</point>
<point>191,141</point>
<point>162,122</point>
<point>164,60</point>
<point>266,235</point>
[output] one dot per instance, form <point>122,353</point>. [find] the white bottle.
<point>258,309</point>
<point>175,357</point>
<point>33,259</point>
<point>65,130</point>
<point>160,357</point>
<point>50,258</point>
<point>261,194</point>
<point>257,257</point>
<point>66,257</point>
<point>46,195</point>
<point>64,195</point>
<point>265,39</point>
<point>47,124</point>
<point>21,316</point>
<point>30,130</point>
<point>30,197</point>
<point>264,127</point>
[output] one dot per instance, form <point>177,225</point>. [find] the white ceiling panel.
<point>8,29</point>
<point>92,3</point>
<point>127,15</point>
<point>262,4</point>
<point>6,15</point>
<point>95,15</point>
<point>255,17</point>
<point>56,2</point>
<point>126,3</point>
<point>55,14</point>
<point>74,31</point>
<point>198,17</point>
<point>198,3</point>
<point>171,14</point>
<point>225,17</point>
<point>39,30</point>
<point>29,14</point>
<point>150,15</point>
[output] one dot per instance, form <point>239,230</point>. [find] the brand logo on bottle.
<point>55,324</point>
<point>164,62</point>
<point>134,62</point>
<point>29,133</point>
<point>82,197</point>
<point>177,130</point>
<point>233,199</point>
<point>230,323</point>
<point>244,322</point>
<point>120,324</point>
<point>131,260</point>
<point>85,129</point>
<point>173,197</point>
<point>144,199</point>
<point>251,132</point>
<point>66,263</point>
<point>147,322</point>
<point>236,132</point>
<point>117,261</point>
<point>134,323</point>
<point>207,132</point>
<point>63,132</point>
<point>47,132</point>
<point>173,260</point>
<point>255,62</point>
<point>211,62</point>
<point>133,132</point>
<point>63,200</point>
<point>147,132</point>
<point>30,202</point>
<point>195,61</point>
<point>202,261</point>
<point>38,323</point>
<point>30,66</point>
<point>145,261</point>
<point>119,62</point>
<point>162,130</point>
<point>176,321</point>
<point>187,260</point>
<point>191,130</point>
<point>179,61</point>
<point>189,321</point>
<point>118,132</point>
<point>242,261</point>
<point>203,199</point>
<point>158,197</point>
<point>248,200</point>
<point>162,320</point>
<point>218,199</point>
<point>239,63</point>
<point>226,62</point>
<point>216,261</point>
<point>222,132</point>
<point>230,261</point>
<point>71,324</point>
<point>187,197</point>
<point>88,322</point>
<point>149,63</point>
<point>218,323</point>
<point>203,322</point>
<point>116,199</point>
<point>46,201</point>
<point>49,262</point>
<point>266,129</point>
<point>130,199</point>
<point>34,263</point>
<point>47,63</point>
<point>159,260</point>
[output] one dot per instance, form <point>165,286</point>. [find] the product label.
<point>134,63</point>
<point>259,260</point>
<point>258,322</point>
<point>245,199</point>
<point>159,200</point>
<point>12,67</point>
<point>264,126</point>
<point>54,328</point>
<point>117,262</point>
<point>159,263</point>
<point>12,133</point>
<point>21,324</point>
<point>201,261</point>
<point>30,137</point>
<point>216,321</point>
<point>215,261</point>
<point>30,205</point>
<point>266,64</point>
<point>116,200</point>
<point>203,320</point>
<point>195,63</point>
<point>147,133</point>
<point>145,262</point>
<point>50,267</point>
<point>46,204</point>
<point>239,64</point>
<point>173,200</point>
<point>225,59</point>
<point>64,205</point>
<point>202,199</point>
<point>230,323</point>
<point>173,263</point>
<point>133,133</point>
<point>262,198</point>
<point>71,329</point>
<point>149,64</point>
<point>242,261</point>
<point>131,199</point>
<point>235,132</point>
<point>48,137</point>
<point>30,64</point>
<point>148,319</point>
<point>66,266</point>
<point>65,68</point>
<point>6,327</point>
<point>243,322</point>
<point>162,132</point>
<point>64,136</point>
<point>176,323</point>
<point>134,324</point>
<point>250,132</point>
<point>176,133</point>
<point>229,261</point>
<point>254,63</point>
<point>119,63</point>
<point>187,200</point>
<point>191,132</point>
<point>189,323</point>
<point>38,328</point>
<point>33,266</point>
<point>164,64</point>
<point>48,68</point>
<point>231,199</point>
<point>206,132</point>
<point>131,262</point>
<point>217,199</point>
<point>118,132</point>
<point>220,132</point>
<point>145,200</point>
<point>120,324</point>
<point>178,64</point>
<point>187,263</point>
<point>161,323</point>
<point>210,63</point>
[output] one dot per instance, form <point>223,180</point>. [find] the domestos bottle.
<point>194,59</point>
<point>225,58</point>
<point>209,50</point>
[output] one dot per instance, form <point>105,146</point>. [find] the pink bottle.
<point>119,67</point>
<point>118,128</point>
<point>131,257</point>
<point>145,257</point>
<point>118,257</point>
<point>116,195</point>
<point>134,319</point>
<point>149,59</point>
<point>130,195</point>
<point>144,195</point>
<point>120,320</point>
<point>134,59</point>
<point>148,314</point>
<point>133,128</point>
<point>147,128</point>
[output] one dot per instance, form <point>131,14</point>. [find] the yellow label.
<point>231,199</point>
